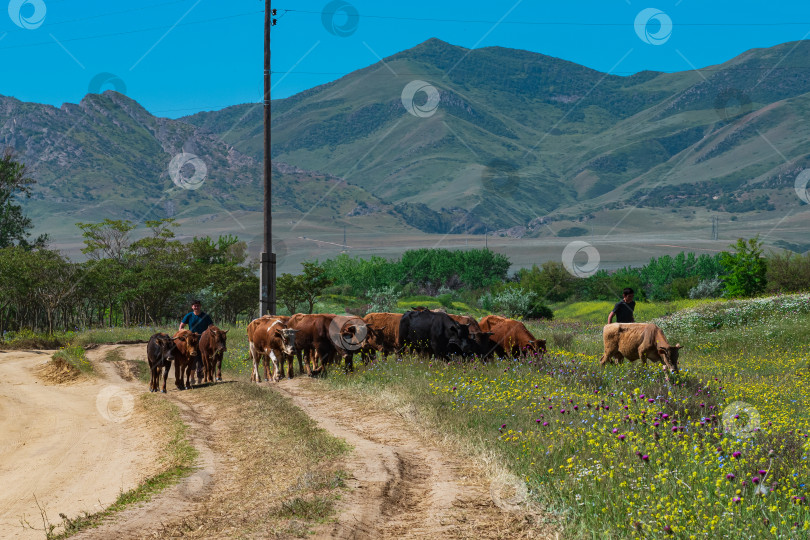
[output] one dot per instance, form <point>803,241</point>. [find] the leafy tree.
<point>746,268</point>
<point>550,281</point>
<point>312,283</point>
<point>788,272</point>
<point>14,225</point>
<point>289,292</point>
<point>108,239</point>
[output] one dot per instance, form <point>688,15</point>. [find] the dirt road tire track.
<point>186,497</point>
<point>402,486</point>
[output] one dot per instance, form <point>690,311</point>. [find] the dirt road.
<point>77,446</point>
<point>402,484</point>
<point>66,445</point>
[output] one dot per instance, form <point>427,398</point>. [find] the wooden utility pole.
<point>267,293</point>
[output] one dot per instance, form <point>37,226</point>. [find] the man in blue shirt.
<point>198,321</point>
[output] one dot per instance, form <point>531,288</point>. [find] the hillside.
<point>520,143</point>
<point>519,135</point>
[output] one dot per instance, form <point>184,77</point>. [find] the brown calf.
<point>383,334</point>
<point>270,338</point>
<point>213,344</point>
<point>512,337</point>
<point>159,354</point>
<point>186,352</point>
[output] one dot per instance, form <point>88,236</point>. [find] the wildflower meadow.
<point>619,452</point>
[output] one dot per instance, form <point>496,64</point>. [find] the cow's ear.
<point>279,333</point>
<point>662,350</point>
<point>678,346</point>
<point>454,329</point>
<point>224,331</point>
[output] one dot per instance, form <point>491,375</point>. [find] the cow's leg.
<point>256,357</point>
<point>166,367</point>
<point>188,373</point>
<point>179,371</point>
<point>255,376</point>
<point>152,385</point>
<point>604,359</point>
<point>290,360</point>
<point>276,372</point>
<point>348,361</point>
<point>266,360</point>
<point>202,368</point>
<point>218,364</point>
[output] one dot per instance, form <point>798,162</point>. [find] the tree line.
<point>149,281</point>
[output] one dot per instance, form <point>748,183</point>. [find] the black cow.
<point>435,333</point>
<point>159,354</point>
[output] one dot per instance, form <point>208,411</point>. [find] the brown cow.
<point>635,341</point>
<point>270,339</point>
<point>383,334</point>
<point>323,335</point>
<point>213,344</point>
<point>187,350</point>
<point>512,337</point>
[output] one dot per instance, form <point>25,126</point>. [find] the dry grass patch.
<point>283,472</point>
<point>59,371</point>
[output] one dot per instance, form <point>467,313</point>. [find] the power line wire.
<point>718,70</point>
<point>539,23</point>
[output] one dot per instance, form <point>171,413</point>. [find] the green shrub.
<point>383,299</point>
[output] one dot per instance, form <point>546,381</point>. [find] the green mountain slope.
<point>519,135</point>
<point>517,142</point>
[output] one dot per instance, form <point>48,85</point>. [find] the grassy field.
<point>619,452</point>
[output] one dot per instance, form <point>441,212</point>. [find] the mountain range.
<point>441,139</point>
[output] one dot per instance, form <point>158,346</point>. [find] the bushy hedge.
<point>429,268</point>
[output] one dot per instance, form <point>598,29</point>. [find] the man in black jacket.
<point>623,311</point>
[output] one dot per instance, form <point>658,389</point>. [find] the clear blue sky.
<point>177,57</point>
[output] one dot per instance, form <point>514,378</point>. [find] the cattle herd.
<point>317,340</point>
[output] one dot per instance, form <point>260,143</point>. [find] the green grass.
<point>76,357</point>
<point>594,478</point>
<point>115,334</point>
<point>597,312</point>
